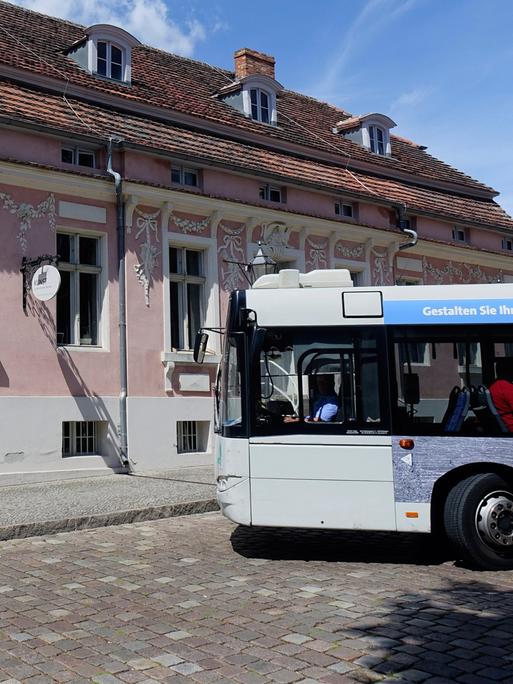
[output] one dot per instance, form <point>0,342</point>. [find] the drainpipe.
<point>123,382</point>
<point>401,223</point>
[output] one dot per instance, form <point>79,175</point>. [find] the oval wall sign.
<point>46,282</point>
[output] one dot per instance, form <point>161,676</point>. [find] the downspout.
<point>123,375</point>
<point>401,223</point>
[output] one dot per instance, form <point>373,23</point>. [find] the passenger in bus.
<point>501,390</point>
<point>325,407</point>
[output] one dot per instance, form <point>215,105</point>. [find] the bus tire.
<point>478,520</point>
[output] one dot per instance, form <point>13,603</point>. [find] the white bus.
<point>412,441</point>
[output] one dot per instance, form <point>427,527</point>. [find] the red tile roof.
<point>77,117</point>
<point>36,43</point>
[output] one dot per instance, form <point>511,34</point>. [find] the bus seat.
<point>457,409</point>
<point>485,410</point>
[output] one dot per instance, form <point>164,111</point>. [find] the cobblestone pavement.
<point>197,599</point>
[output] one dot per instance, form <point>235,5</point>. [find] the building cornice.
<point>95,97</point>
<point>99,189</point>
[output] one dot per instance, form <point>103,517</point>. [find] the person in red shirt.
<point>502,390</point>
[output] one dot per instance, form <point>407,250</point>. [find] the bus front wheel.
<point>478,519</point>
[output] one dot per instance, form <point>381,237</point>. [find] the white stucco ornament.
<point>46,282</point>
<point>25,213</point>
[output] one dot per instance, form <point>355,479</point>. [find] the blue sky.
<point>442,69</point>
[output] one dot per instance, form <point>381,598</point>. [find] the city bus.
<point>412,442</point>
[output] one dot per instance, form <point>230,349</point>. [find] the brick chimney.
<point>249,62</point>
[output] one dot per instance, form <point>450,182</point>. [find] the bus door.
<point>320,446</point>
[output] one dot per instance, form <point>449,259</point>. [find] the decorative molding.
<point>230,250</point>
<point>215,219</point>
<point>464,273</point>
<point>190,226</point>
<point>166,209</point>
<point>344,252</point>
<point>26,213</point>
<point>275,236</point>
<point>382,270</point>
<point>131,201</point>
<point>146,225</point>
<point>317,257</point>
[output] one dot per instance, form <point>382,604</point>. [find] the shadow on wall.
<point>387,622</point>
<point>4,378</point>
<point>79,391</point>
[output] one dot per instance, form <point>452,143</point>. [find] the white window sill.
<point>172,358</point>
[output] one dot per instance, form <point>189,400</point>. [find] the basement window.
<point>80,438</point>
<point>192,436</point>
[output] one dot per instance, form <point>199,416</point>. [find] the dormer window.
<point>260,105</point>
<point>109,60</point>
<point>254,90</point>
<point>377,139</point>
<point>105,51</point>
<point>371,131</point>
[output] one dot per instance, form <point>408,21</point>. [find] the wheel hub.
<point>494,519</point>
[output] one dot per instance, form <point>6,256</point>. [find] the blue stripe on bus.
<point>455,311</point>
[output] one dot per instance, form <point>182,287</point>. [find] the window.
<point>109,60</point>
<point>80,438</point>
<point>459,235</point>
<point>182,175</point>
<point>343,209</point>
<point>402,280</point>
<point>78,303</point>
<point>191,436</point>
<point>270,193</point>
<point>260,105</point>
<point>377,140</point>
<point>507,244</point>
<point>78,156</point>
<point>301,371</point>
<point>187,282</point>
<point>445,397</point>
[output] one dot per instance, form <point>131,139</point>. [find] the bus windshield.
<point>320,379</point>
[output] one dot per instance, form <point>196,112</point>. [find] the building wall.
<point>43,385</point>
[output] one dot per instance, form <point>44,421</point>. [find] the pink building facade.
<point>211,163</point>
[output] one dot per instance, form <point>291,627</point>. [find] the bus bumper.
<point>233,497</point>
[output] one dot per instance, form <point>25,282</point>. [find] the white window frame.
<point>76,152</point>
<point>368,128</point>
<point>92,428</point>
<point>460,235</point>
<point>185,279</point>
<point>358,268</point>
<point>182,171</point>
<point>507,244</point>
<point>211,301</point>
<point>101,294</point>
<point>108,60</point>
<point>339,209</point>
<point>259,106</point>
<point>267,188</point>
<point>112,35</point>
<point>265,84</point>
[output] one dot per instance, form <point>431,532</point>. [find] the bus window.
<point>440,367</point>
<point>324,376</point>
<point>231,406</point>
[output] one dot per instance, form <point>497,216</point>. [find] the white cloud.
<point>370,21</point>
<point>147,20</point>
<point>412,98</point>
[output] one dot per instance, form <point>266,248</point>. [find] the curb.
<point>86,522</point>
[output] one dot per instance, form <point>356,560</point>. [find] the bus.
<point>412,442</point>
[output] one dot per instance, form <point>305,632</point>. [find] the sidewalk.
<point>49,507</point>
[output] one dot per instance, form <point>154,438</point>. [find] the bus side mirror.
<point>411,388</point>
<point>200,346</point>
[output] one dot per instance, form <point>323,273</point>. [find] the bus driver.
<point>325,406</point>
